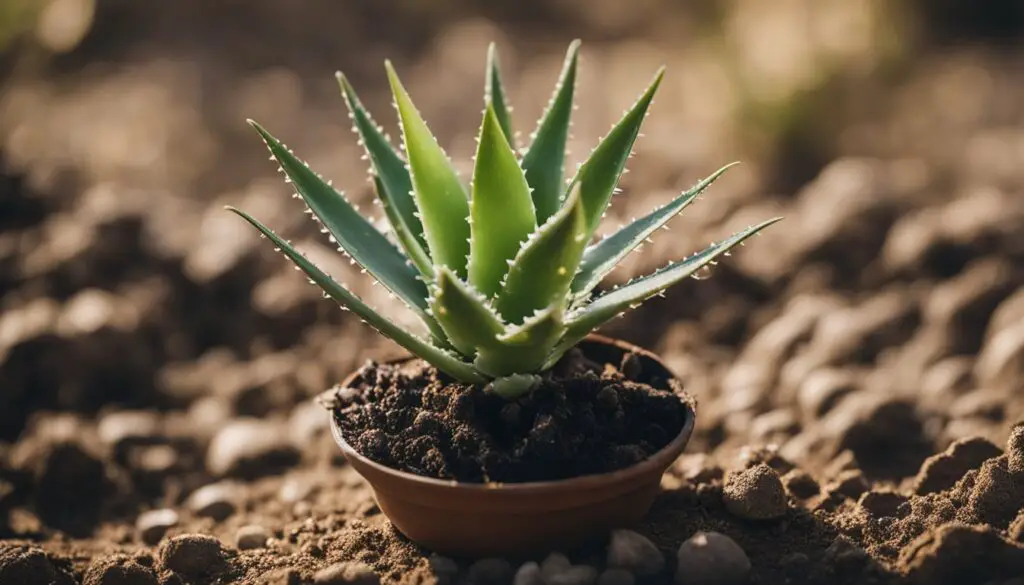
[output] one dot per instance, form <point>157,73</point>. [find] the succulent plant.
<point>503,272</point>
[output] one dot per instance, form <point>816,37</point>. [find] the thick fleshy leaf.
<point>524,348</point>
<point>464,314</point>
<point>437,357</point>
<point>602,257</point>
<point>619,300</point>
<point>356,236</point>
<point>501,208</point>
<point>440,197</point>
<point>494,94</point>
<point>542,271</point>
<point>544,162</point>
<point>417,253</point>
<point>600,174</point>
<point>392,181</point>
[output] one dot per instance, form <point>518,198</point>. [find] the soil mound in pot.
<point>583,418</point>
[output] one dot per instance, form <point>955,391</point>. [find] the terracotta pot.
<point>478,520</point>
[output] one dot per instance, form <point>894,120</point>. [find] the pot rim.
<point>659,460</point>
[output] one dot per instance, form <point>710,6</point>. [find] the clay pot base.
<point>484,519</point>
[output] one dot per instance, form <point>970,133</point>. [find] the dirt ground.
<point>858,370</point>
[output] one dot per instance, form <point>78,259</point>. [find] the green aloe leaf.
<point>440,196</point>
<point>600,174</point>
<point>357,236</point>
<point>524,347</point>
<point>501,210</point>
<point>544,162</point>
<point>494,94</point>
<point>392,181</point>
<point>601,258</point>
<point>437,357</point>
<point>417,253</point>
<point>542,271</point>
<point>464,314</point>
<point>619,300</point>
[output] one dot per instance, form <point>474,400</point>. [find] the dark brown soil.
<point>583,418</point>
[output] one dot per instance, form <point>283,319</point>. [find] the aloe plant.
<point>501,271</point>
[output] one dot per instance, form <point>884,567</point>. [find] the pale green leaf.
<point>501,208</point>
<point>543,269</point>
<point>440,196</point>
<point>524,348</point>
<point>464,314</point>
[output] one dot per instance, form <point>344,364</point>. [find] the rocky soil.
<point>859,370</point>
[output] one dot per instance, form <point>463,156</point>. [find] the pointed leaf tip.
<point>601,258</point>
<point>494,94</point>
<point>543,269</point>
<point>501,209</point>
<point>544,161</point>
<point>430,353</point>
<point>391,181</point>
<point>440,197</point>
<point>600,174</point>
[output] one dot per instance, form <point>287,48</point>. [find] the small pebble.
<point>576,575</point>
<point>850,484</point>
<point>117,428</point>
<point>118,570</point>
<point>346,574</point>
<point>529,574</point>
<point>215,500</point>
<point>1015,449</point>
<point>755,494</point>
<point>250,448</point>
<point>616,577</point>
<point>154,524</point>
<point>554,564</point>
<point>801,484</point>
<point>490,571</point>
<point>193,556</point>
<point>634,552</point>
<point>711,558</point>
<point>251,537</point>
<point>445,569</point>
<point>882,503</point>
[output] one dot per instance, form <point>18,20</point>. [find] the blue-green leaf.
<point>617,301</point>
<point>501,208</point>
<point>601,258</point>
<point>392,181</point>
<point>357,236</point>
<point>440,196</point>
<point>599,175</point>
<point>437,357</point>
<point>544,162</point>
<point>494,94</point>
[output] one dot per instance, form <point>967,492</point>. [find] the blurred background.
<point>890,133</point>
